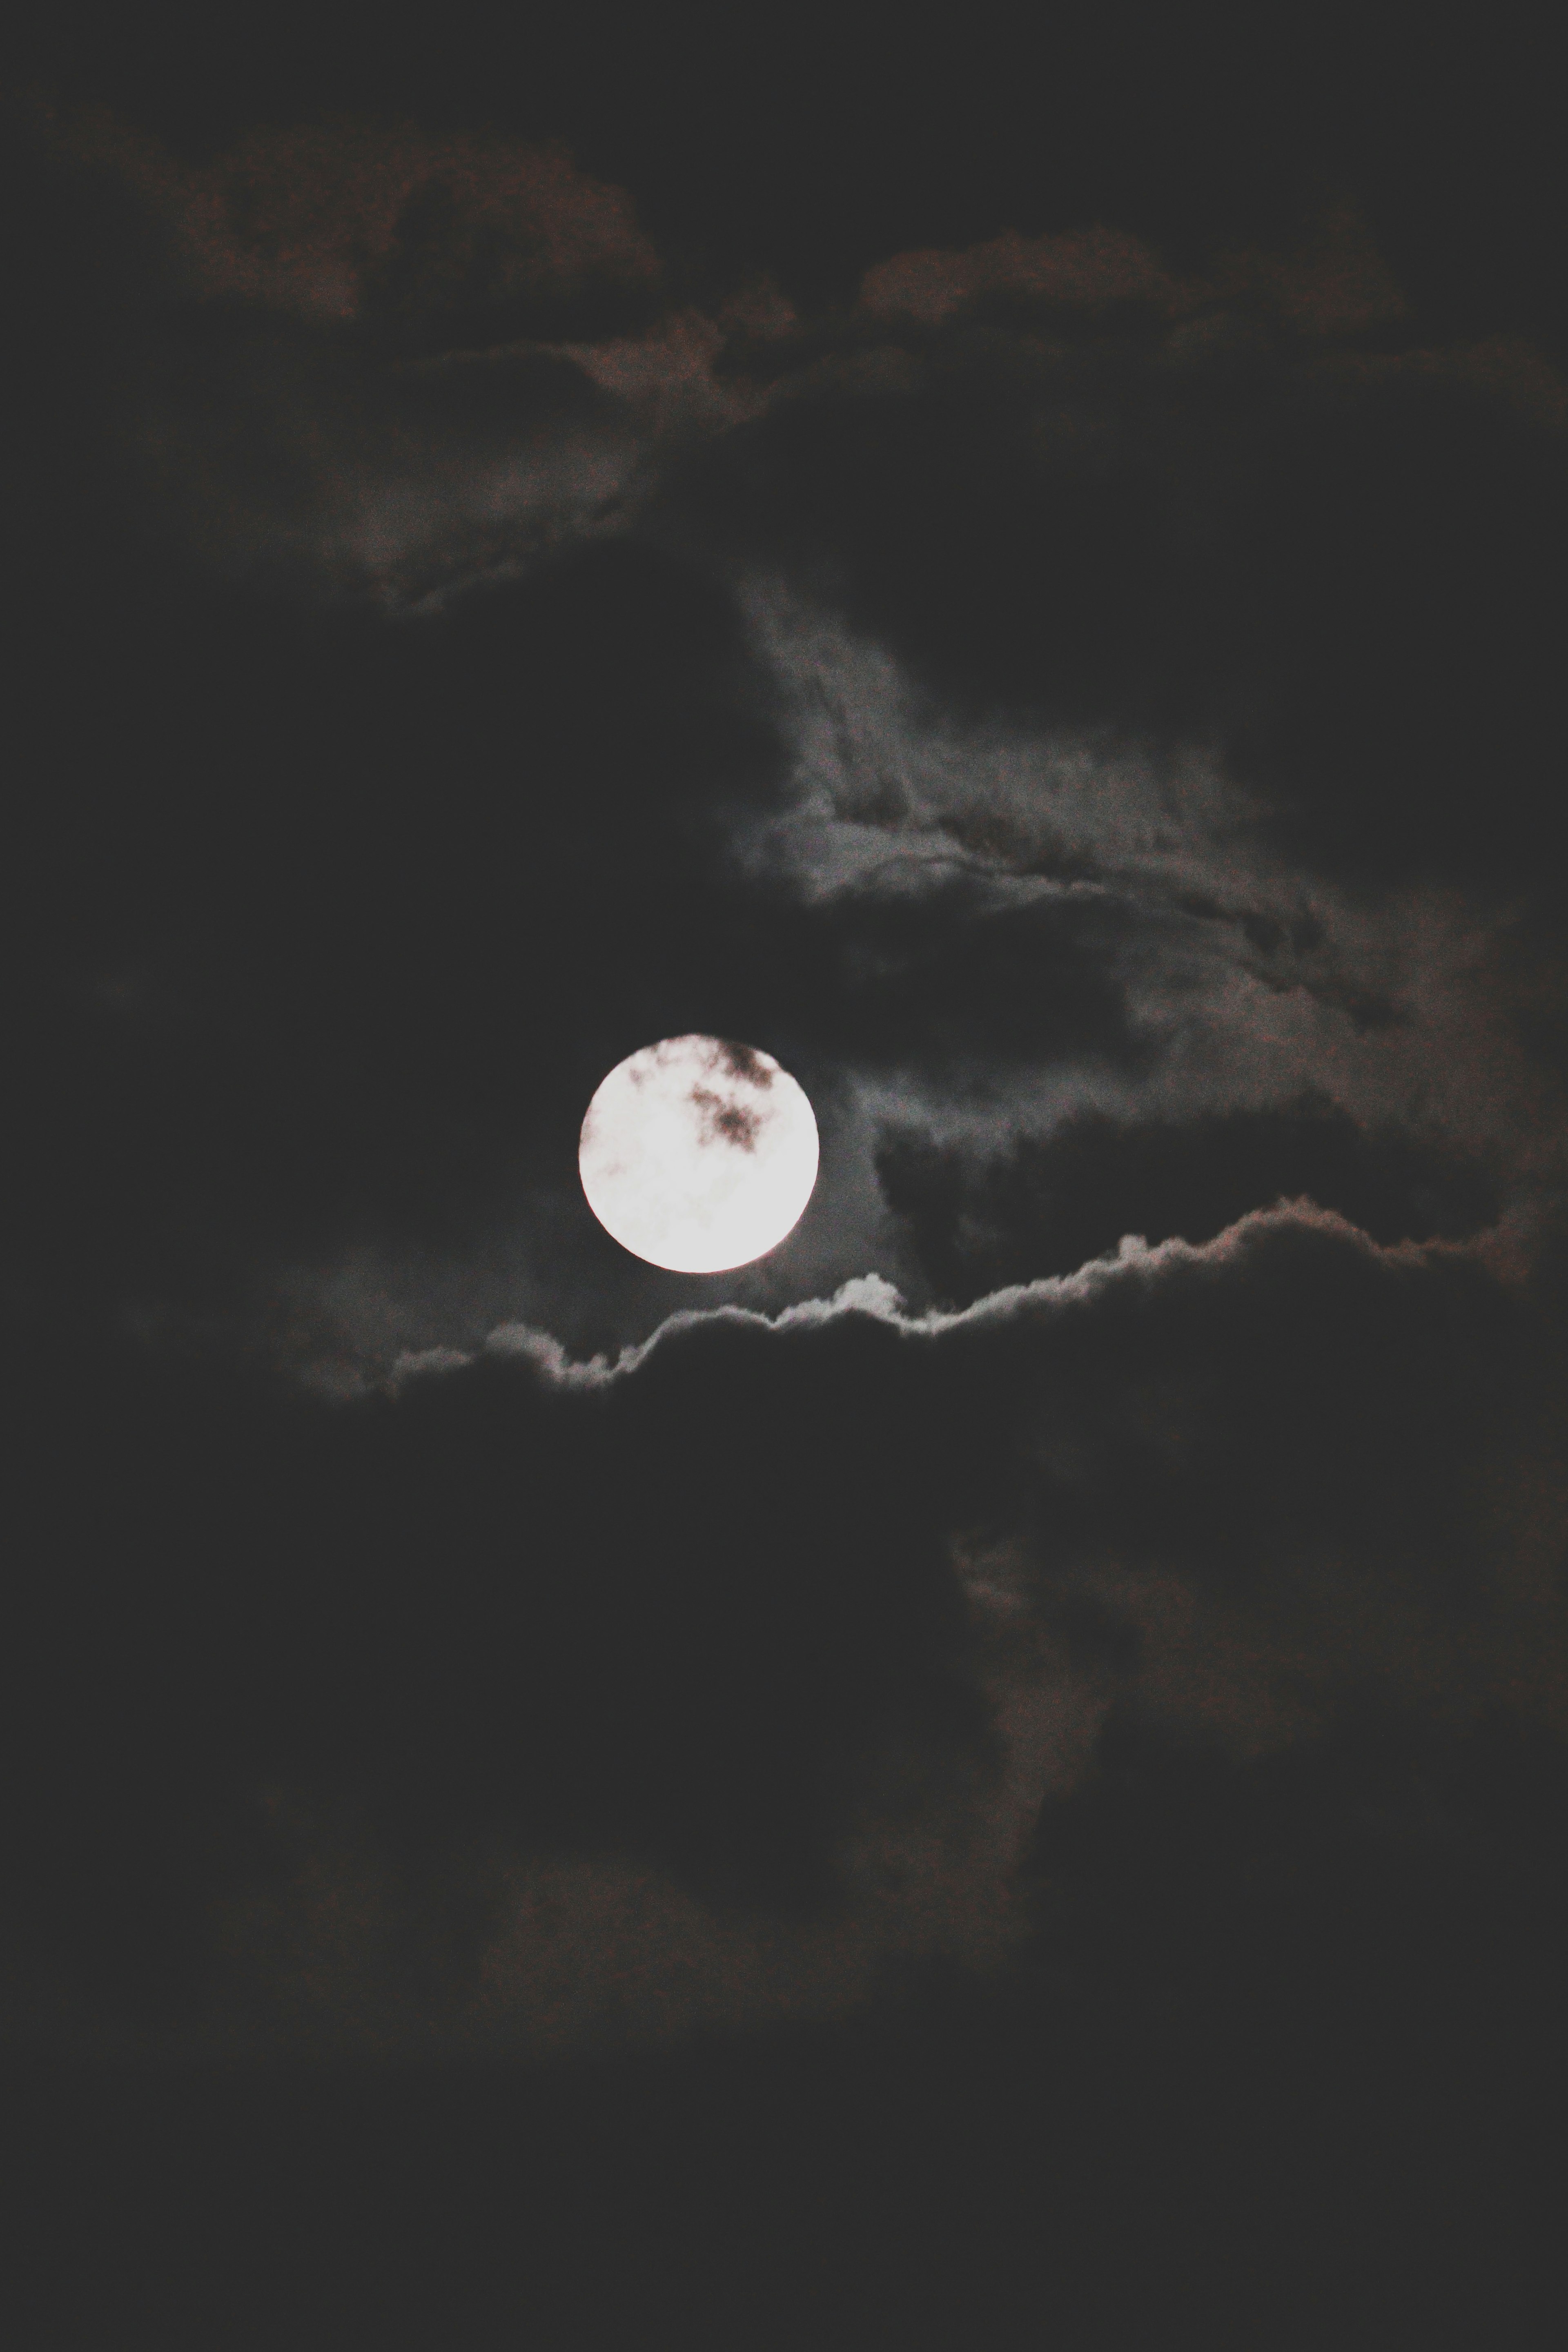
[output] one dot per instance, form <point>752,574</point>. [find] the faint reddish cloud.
<point>1087,268</point>
<point>1335,283</point>
<point>760,309</point>
<point>313,219</point>
<point>1506,366</point>
<point>610,1950</point>
<point>674,362</point>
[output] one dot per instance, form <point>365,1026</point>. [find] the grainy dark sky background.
<point>998,1778</point>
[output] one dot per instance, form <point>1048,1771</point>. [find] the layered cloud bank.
<point>537,1702</point>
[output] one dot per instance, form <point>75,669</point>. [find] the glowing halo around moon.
<point>698,1154</point>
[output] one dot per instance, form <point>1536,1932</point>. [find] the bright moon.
<point>698,1154</point>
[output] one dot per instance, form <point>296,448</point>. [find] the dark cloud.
<point>1046,1205</point>
<point>353,926</point>
<point>435,240</point>
<point>1012,1752</point>
<point>1058,482</point>
<point>298,1690</point>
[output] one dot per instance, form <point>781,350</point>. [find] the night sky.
<point>997,1778</point>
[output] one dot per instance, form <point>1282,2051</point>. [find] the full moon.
<point>698,1154</point>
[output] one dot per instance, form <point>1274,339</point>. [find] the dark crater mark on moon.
<point>743,1062</point>
<point>726,1122</point>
